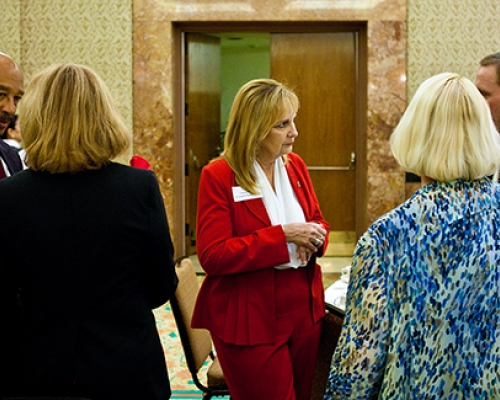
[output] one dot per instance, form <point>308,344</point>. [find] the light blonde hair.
<point>257,107</point>
<point>447,132</point>
<point>69,121</point>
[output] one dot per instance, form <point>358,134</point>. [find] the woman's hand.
<point>304,254</point>
<point>308,235</point>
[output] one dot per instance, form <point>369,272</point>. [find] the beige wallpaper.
<point>449,35</point>
<point>92,32</point>
<point>10,28</point>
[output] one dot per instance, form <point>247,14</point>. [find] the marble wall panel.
<point>274,10</point>
<point>153,103</point>
<point>386,103</point>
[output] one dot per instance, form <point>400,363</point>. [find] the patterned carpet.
<point>180,378</point>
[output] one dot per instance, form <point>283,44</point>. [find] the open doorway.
<point>216,66</point>
<point>244,56</point>
<point>327,68</point>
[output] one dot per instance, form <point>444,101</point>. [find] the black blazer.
<point>10,157</point>
<point>92,255</point>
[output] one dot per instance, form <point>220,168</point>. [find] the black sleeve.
<point>159,275</point>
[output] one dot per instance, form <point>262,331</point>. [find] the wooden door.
<point>202,120</point>
<point>322,69</point>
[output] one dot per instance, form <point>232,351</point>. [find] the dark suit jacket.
<point>238,248</point>
<point>92,255</point>
<point>10,157</point>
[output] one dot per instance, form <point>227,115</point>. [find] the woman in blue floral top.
<point>423,307</point>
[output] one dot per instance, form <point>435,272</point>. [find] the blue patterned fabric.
<point>423,305</point>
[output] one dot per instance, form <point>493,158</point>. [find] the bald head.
<point>7,63</point>
<point>6,56</point>
<point>11,89</point>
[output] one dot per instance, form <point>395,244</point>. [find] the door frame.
<point>179,30</point>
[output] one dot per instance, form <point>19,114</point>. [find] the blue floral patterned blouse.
<point>423,307</point>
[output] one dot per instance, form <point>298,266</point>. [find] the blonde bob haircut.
<point>257,107</point>
<point>69,121</point>
<point>447,132</point>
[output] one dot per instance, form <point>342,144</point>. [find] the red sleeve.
<point>234,237</point>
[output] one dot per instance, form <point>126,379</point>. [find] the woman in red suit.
<point>259,231</point>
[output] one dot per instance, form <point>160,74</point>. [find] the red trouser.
<point>282,370</point>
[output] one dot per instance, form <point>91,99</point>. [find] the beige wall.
<point>449,35</point>
<point>97,33</point>
<point>10,28</point>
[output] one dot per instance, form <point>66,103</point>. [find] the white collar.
<point>282,206</point>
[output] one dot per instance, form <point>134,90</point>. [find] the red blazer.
<point>238,248</point>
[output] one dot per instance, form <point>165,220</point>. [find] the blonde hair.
<point>257,107</point>
<point>447,132</point>
<point>69,121</point>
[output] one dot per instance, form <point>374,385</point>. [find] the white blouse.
<point>282,206</point>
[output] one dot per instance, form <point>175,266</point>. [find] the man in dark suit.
<point>488,83</point>
<point>11,92</point>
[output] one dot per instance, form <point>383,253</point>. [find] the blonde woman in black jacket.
<point>89,250</point>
